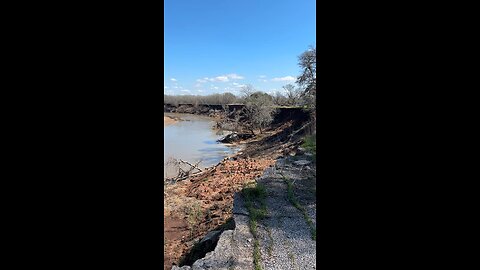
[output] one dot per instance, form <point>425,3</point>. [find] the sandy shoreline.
<point>168,121</point>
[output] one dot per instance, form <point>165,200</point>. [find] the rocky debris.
<point>302,162</point>
<point>234,248</point>
<point>207,244</point>
<point>301,151</point>
<point>235,137</point>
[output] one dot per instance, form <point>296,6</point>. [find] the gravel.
<point>285,232</point>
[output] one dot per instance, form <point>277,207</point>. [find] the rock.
<point>229,138</point>
<point>302,162</point>
<point>211,236</point>
<point>233,137</point>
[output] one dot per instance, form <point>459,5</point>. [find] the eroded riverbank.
<point>203,203</point>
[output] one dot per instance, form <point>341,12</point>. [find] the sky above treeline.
<point>217,46</point>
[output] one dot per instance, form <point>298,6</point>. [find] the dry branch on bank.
<point>184,169</point>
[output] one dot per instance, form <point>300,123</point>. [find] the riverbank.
<point>203,203</point>
<point>168,121</point>
<point>274,222</point>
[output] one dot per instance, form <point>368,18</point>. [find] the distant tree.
<point>229,98</point>
<point>279,99</point>
<point>213,99</point>
<point>247,91</point>
<point>293,94</point>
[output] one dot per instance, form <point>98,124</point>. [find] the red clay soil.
<point>213,194</point>
<point>173,229</point>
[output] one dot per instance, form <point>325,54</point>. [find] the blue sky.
<point>216,46</point>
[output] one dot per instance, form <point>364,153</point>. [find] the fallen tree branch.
<point>298,130</point>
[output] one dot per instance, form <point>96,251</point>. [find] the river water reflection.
<point>193,140</point>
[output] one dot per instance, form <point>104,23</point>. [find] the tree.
<point>229,98</point>
<point>279,99</point>
<point>308,81</point>
<point>258,109</point>
<point>293,94</point>
<point>308,78</point>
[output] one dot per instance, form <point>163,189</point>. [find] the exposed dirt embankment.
<point>204,203</point>
<point>215,111</point>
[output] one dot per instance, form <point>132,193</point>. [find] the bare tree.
<point>293,94</point>
<point>229,98</point>
<point>308,78</point>
<point>213,99</point>
<point>279,99</point>
<point>258,109</point>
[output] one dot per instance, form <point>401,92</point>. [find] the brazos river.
<point>192,139</point>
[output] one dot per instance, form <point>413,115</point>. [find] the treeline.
<point>291,96</point>
<point>214,99</point>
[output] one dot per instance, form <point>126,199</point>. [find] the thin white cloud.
<point>173,79</point>
<point>165,87</point>
<point>200,91</point>
<point>238,85</point>
<point>235,76</point>
<point>262,76</point>
<point>185,90</point>
<point>221,78</point>
<point>284,79</point>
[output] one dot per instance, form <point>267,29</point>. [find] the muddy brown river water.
<point>192,140</point>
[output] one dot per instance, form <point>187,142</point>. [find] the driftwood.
<point>183,173</point>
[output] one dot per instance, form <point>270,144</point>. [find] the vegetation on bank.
<point>310,145</point>
<point>257,209</point>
